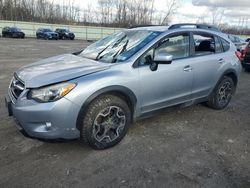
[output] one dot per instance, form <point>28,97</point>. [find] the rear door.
<point>207,62</point>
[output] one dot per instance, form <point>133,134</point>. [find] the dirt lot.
<point>191,147</point>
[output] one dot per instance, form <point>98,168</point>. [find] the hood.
<point>57,69</point>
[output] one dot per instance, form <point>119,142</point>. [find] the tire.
<point>105,122</point>
<point>222,94</point>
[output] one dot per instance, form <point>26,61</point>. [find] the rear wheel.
<point>106,122</point>
<point>222,94</point>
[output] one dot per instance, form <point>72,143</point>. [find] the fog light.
<point>48,125</point>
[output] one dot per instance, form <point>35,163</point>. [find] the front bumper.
<point>54,120</point>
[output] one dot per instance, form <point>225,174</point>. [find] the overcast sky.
<point>235,12</point>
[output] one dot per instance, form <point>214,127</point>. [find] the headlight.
<point>51,93</point>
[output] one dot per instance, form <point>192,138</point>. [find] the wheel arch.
<point>121,91</point>
<point>230,73</point>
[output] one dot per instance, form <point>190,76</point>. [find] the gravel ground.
<point>191,147</point>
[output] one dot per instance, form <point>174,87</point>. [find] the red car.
<point>246,57</point>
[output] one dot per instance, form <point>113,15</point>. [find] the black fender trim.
<point>231,72</point>
<point>228,72</point>
<point>116,90</point>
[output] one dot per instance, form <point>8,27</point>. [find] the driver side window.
<point>177,46</point>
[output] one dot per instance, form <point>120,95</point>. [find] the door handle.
<point>187,68</point>
<point>221,61</point>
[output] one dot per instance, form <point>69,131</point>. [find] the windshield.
<point>14,29</point>
<point>65,30</point>
<point>119,46</point>
<point>47,30</point>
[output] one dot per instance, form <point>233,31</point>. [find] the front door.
<point>171,83</point>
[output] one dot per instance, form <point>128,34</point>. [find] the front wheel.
<point>222,94</point>
<point>106,122</point>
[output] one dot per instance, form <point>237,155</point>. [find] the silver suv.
<point>95,94</point>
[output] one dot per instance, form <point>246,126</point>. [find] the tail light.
<point>238,54</point>
<point>244,52</point>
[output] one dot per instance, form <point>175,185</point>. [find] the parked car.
<point>65,34</point>
<point>246,57</point>
<point>247,40</point>
<point>47,34</point>
<point>12,32</point>
<point>238,42</point>
<point>96,93</point>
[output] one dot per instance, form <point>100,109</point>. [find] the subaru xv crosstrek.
<point>96,93</point>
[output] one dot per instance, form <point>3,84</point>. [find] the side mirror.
<point>162,57</point>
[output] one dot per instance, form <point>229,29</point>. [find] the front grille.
<point>16,88</point>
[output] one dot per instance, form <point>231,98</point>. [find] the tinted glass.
<point>47,30</point>
<point>204,44</point>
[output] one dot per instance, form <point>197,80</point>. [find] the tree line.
<point>114,13</point>
<point>39,11</point>
<point>118,13</point>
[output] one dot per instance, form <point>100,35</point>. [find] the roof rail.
<point>192,25</point>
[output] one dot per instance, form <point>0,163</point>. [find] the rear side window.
<point>204,44</point>
<point>225,44</point>
<point>218,46</point>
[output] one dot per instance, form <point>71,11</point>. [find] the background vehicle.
<point>97,93</point>
<point>246,57</point>
<point>238,42</point>
<point>47,34</point>
<point>13,32</point>
<point>65,34</point>
<point>248,40</point>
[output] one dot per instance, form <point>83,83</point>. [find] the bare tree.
<point>172,6</point>
<point>217,15</point>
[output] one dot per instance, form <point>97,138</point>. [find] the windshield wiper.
<point>114,45</point>
<point>119,52</point>
<point>98,55</point>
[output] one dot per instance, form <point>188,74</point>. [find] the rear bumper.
<point>56,120</point>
